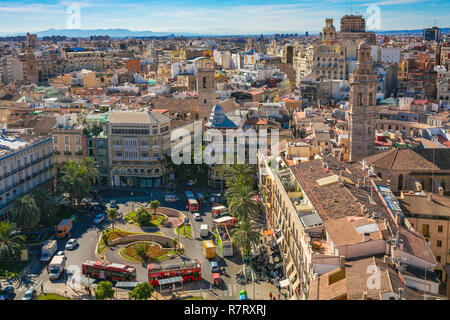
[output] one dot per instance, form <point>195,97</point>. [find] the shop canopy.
<point>284,283</point>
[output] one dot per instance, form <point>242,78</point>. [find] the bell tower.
<point>206,88</point>
<point>362,100</point>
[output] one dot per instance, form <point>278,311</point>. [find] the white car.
<point>99,218</point>
<point>197,217</point>
<point>170,198</point>
<point>71,244</point>
<point>191,182</point>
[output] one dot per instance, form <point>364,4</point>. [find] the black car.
<point>7,293</point>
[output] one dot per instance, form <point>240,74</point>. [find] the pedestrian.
<point>285,296</point>
<point>274,298</point>
<point>42,288</point>
<point>279,295</point>
<point>270,295</point>
<point>48,269</point>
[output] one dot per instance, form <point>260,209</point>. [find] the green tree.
<point>241,203</point>
<point>154,205</point>
<point>245,236</point>
<point>46,203</point>
<point>237,173</point>
<point>143,217</point>
<point>105,237</point>
<point>142,291</point>
<point>10,241</point>
<point>75,181</point>
<point>90,167</point>
<point>141,251</point>
<point>104,291</point>
<point>25,213</point>
<point>112,215</point>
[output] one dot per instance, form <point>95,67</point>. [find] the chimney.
<point>441,191</point>
<point>400,293</point>
<point>385,258</point>
<point>402,195</point>
<point>358,183</point>
<point>364,297</point>
<point>430,196</point>
<point>342,262</point>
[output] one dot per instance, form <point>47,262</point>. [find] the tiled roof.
<point>408,159</point>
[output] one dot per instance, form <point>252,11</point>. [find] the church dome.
<point>217,114</point>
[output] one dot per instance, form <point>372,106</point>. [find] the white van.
<point>56,267</point>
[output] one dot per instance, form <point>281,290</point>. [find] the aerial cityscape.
<point>229,150</point>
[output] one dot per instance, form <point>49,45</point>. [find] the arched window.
<point>371,99</point>
<point>379,175</point>
<point>360,99</point>
<point>204,82</point>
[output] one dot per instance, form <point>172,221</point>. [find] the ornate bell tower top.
<point>329,31</point>
<point>364,70</point>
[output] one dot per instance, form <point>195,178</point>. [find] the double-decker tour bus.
<point>113,271</point>
<point>188,270</point>
<point>192,202</point>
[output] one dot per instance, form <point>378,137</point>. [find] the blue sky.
<point>216,16</point>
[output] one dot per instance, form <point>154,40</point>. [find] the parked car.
<point>71,244</point>
<point>191,182</point>
<point>214,266</point>
<point>99,218</point>
<point>197,217</point>
<point>170,198</point>
<point>7,293</point>
<point>30,294</point>
<point>113,204</point>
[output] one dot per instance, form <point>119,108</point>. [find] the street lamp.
<point>132,202</point>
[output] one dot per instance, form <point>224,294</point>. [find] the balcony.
<point>67,153</point>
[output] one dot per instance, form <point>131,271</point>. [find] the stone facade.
<point>362,101</point>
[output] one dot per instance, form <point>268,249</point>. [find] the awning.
<point>280,239</point>
<point>284,283</point>
<point>126,285</point>
<point>170,280</point>
<point>268,233</point>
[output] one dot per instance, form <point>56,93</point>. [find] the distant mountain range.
<point>125,33</point>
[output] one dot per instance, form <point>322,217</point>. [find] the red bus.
<point>112,272</point>
<point>188,270</point>
<point>192,203</point>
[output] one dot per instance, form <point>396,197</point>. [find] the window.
<point>439,244</point>
<point>67,148</point>
<point>204,82</point>
<point>66,140</point>
<point>438,258</point>
<point>78,140</point>
<point>440,229</point>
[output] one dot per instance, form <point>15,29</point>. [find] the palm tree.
<point>46,203</point>
<point>24,212</point>
<point>154,205</point>
<point>75,181</point>
<point>90,166</point>
<point>245,236</point>
<point>10,241</point>
<point>237,173</point>
<point>241,204</point>
<point>112,215</point>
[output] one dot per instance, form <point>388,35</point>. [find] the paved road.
<point>87,234</point>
